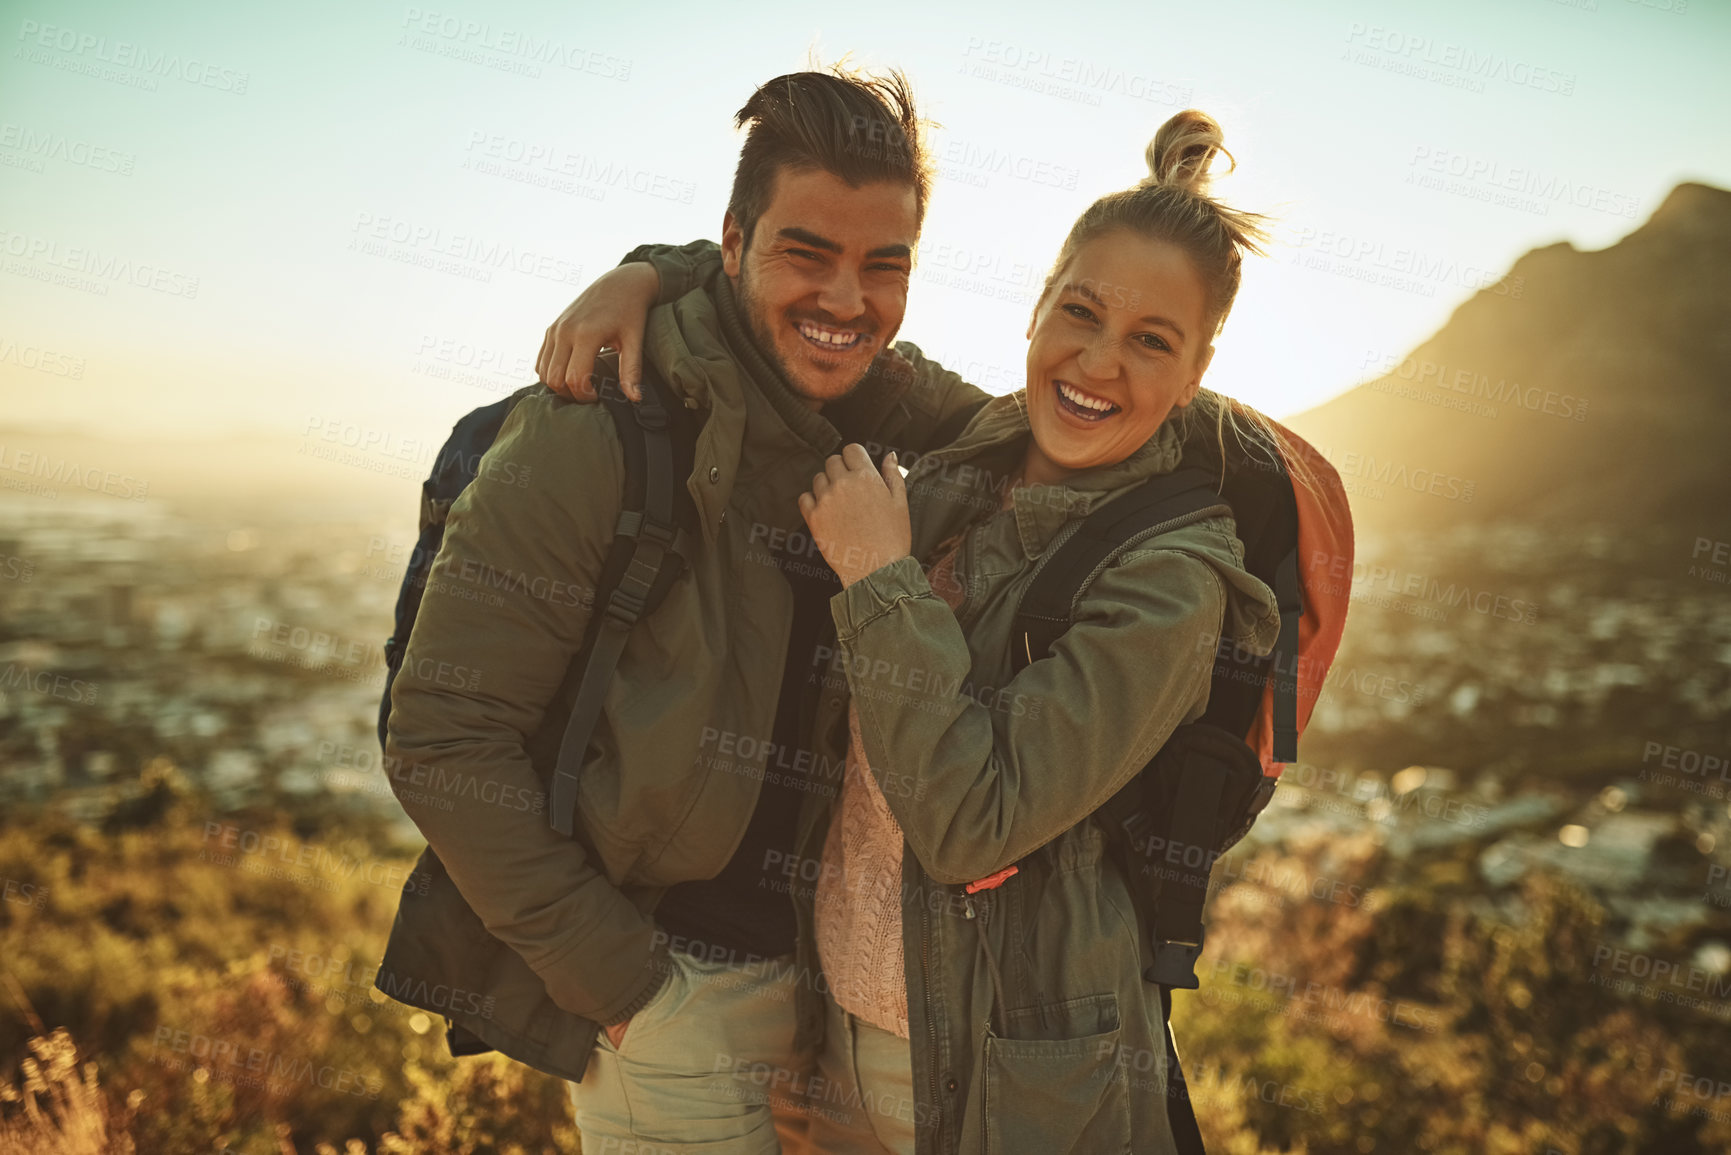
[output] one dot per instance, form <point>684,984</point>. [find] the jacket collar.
<point>1040,510</point>
<point>702,347</point>
<point>753,418</point>
<point>801,420</point>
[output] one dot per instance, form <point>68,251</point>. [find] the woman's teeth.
<point>1081,404</point>
<point>829,338</point>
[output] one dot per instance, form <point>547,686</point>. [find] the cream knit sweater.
<point>859,890</point>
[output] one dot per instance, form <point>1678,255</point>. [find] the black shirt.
<point>746,912</point>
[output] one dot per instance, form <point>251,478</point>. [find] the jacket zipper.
<point>926,1000</point>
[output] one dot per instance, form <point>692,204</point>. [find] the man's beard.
<point>757,322</point>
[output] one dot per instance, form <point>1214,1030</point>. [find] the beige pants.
<point>863,1101</point>
<point>702,1068</point>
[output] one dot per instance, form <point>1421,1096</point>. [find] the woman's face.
<point>1114,345</point>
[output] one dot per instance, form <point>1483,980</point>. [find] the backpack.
<point>657,521</point>
<point>1203,789</point>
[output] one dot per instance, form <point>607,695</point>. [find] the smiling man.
<point>653,959</point>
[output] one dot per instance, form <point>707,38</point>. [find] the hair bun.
<point>1182,152</point>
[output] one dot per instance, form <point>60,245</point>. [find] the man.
<point>665,925</point>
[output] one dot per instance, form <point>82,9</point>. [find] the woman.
<point>1029,1026</point>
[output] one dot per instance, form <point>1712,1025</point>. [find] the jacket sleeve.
<point>980,776</point>
<point>682,268</point>
<point>940,401</point>
<point>501,620</point>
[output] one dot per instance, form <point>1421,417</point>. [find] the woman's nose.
<point>1099,359</point>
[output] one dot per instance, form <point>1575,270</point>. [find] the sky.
<point>220,219</point>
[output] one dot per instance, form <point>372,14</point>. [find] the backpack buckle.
<point>624,608</point>
<point>654,531</point>
<point>1175,963</point>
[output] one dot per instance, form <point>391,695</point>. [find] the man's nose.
<point>842,297</point>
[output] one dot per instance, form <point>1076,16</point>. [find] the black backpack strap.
<point>1169,826</point>
<point>1182,889</point>
<point>650,547</point>
<point>1158,504</point>
<point>1289,593</point>
<point>1180,1113</point>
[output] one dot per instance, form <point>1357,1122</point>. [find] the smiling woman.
<point>1125,325</point>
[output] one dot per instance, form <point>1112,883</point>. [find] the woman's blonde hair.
<point>1173,204</point>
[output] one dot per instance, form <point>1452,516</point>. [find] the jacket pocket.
<point>1053,1082</point>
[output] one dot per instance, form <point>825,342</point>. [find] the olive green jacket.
<point>1032,1028</point>
<point>523,938</point>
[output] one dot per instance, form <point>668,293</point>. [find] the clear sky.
<point>223,217</point>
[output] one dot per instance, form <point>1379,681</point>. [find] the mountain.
<point>1586,387</point>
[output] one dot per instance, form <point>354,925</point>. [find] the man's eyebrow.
<point>810,239</point>
<point>805,237</point>
<point>1082,290</point>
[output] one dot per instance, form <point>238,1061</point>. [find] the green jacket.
<point>526,939</point>
<point>1032,1029</point>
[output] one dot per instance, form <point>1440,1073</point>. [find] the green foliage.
<point>1453,1030</point>
<point>180,992</point>
<point>222,998</point>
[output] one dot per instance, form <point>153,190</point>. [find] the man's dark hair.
<point>856,125</point>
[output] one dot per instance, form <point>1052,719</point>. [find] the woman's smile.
<point>1081,405</point>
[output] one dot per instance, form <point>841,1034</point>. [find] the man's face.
<point>825,282</point>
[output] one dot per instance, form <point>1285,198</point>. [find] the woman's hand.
<point>609,314</point>
<point>858,514</point>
